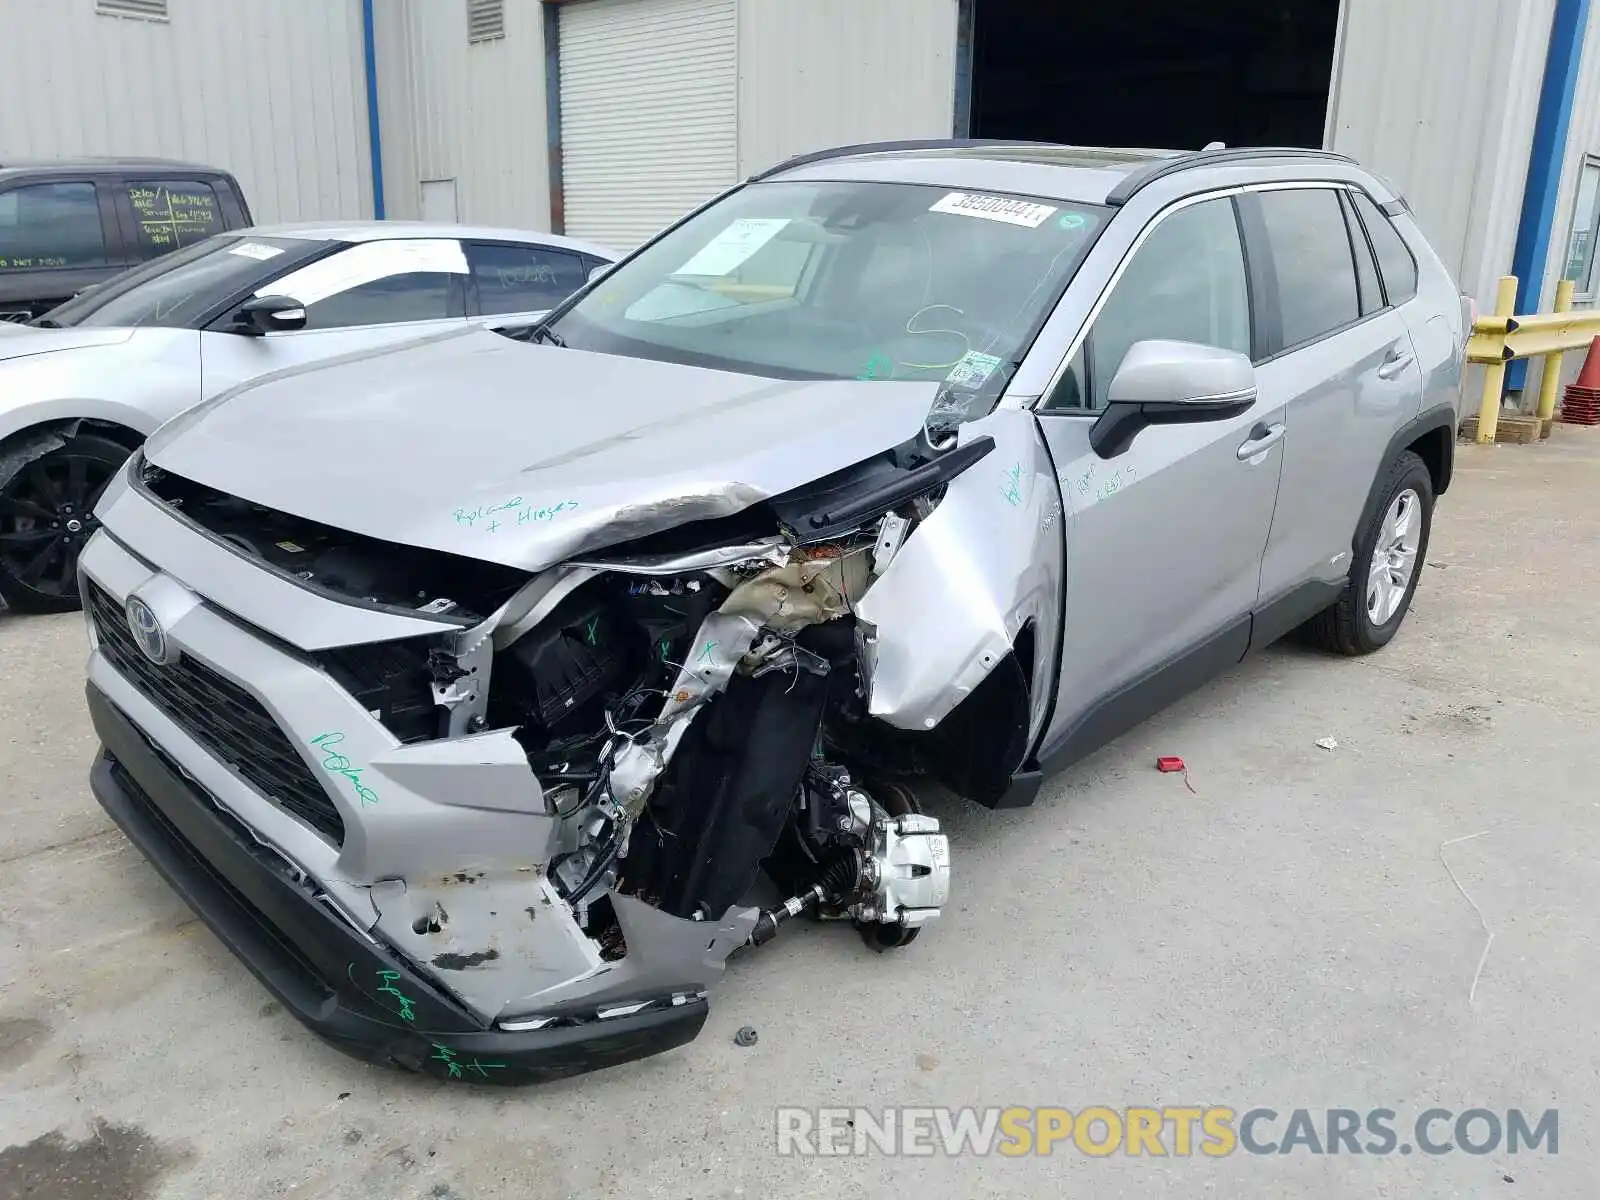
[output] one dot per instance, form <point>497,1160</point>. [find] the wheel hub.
<point>1394,557</point>
<point>45,517</point>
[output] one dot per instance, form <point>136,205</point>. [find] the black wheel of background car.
<point>1389,557</point>
<point>896,800</point>
<point>46,515</point>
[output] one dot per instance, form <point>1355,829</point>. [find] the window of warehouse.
<point>1585,220</point>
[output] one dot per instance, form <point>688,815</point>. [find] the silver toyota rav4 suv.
<point>485,693</point>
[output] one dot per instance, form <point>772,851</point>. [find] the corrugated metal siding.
<point>649,112</point>
<point>472,113</point>
<point>816,73</point>
<point>1440,97</point>
<point>270,91</point>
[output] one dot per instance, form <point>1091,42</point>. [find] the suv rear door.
<point>1431,306</point>
<point>1343,365</point>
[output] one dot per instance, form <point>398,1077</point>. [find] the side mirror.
<point>1171,383</point>
<point>598,270</point>
<point>269,314</point>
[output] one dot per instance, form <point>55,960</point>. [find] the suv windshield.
<point>177,289</point>
<point>845,281</point>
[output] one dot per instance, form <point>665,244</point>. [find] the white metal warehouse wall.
<point>474,113</point>
<point>1440,96</point>
<point>815,73</point>
<point>271,90</point>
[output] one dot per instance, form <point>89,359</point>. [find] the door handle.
<point>1396,362</point>
<point>1262,438</point>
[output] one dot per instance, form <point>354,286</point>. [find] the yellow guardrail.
<point>1501,336</point>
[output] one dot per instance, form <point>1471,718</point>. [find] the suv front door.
<point>1164,542</point>
<point>366,295</point>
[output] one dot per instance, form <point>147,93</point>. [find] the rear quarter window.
<point>1395,261</point>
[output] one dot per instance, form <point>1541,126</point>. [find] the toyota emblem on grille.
<point>147,631</point>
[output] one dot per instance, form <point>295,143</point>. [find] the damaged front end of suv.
<point>486,752</point>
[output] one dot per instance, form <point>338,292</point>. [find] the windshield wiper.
<point>543,333</point>
<point>44,323</point>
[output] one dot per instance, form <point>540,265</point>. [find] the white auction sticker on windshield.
<point>255,250</point>
<point>734,246</point>
<point>972,370</point>
<point>995,208</point>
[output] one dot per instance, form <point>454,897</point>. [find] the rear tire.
<point>46,516</point>
<point>1390,550</point>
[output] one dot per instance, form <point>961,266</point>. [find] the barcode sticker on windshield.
<point>995,208</point>
<point>733,246</point>
<point>255,250</point>
<point>973,370</point>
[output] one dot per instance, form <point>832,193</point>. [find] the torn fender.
<point>986,562</point>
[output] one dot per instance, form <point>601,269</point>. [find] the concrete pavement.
<point>1286,935</point>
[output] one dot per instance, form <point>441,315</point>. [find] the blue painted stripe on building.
<point>1545,161</point>
<point>369,47</point>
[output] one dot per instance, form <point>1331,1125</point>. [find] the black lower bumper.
<point>356,995</point>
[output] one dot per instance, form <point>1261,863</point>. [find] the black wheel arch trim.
<point>1442,418</point>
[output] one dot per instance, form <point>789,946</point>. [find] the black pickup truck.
<point>68,224</point>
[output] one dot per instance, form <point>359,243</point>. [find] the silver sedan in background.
<point>85,384</point>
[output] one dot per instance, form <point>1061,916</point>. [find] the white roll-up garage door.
<point>649,113</point>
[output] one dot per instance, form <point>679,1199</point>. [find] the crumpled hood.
<point>21,341</point>
<point>474,444</point>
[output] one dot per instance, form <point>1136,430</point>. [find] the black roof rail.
<point>1134,180</point>
<point>801,160</point>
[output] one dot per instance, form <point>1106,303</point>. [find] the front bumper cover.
<point>346,988</point>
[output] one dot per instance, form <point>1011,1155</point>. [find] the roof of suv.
<point>109,163</point>
<point>1093,174</point>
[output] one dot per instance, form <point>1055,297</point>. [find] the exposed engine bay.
<point>689,730</point>
<point>535,784</point>
<point>697,707</point>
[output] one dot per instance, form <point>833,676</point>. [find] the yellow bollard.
<point>1550,379</point>
<point>1494,375</point>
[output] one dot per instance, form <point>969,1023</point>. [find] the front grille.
<point>220,715</point>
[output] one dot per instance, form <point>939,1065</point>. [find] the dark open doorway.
<point>1152,73</point>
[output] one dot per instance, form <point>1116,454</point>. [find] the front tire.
<point>46,516</point>
<point>1390,551</point>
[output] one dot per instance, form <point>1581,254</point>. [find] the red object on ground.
<point>1580,403</point>
<point>1169,763</point>
<point>1589,377</point>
